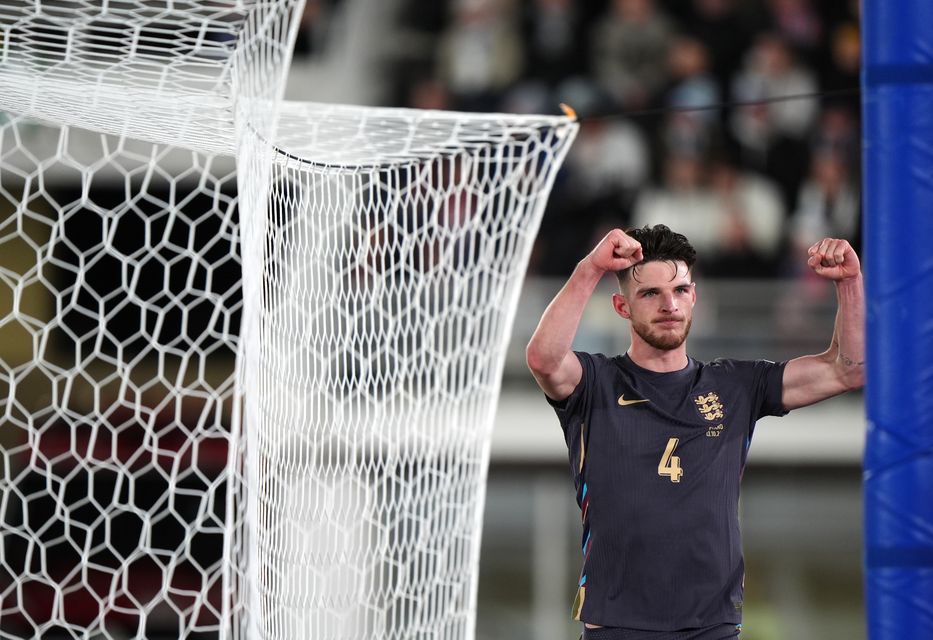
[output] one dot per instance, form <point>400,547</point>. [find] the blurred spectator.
<point>726,35</point>
<point>828,205</point>
<point>772,134</point>
<point>629,51</point>
<point>845,59</point>
<point>604,169</point>
<point>797,23</point>
<point>683,202</point>
<point>692,86</point>
<point>555,69</point>
<point>770,71</point>
<point>753,220</point>
<point>480,54</point>
<point>838,133</point>
<point>609,159</point>
<point>733,217</point>
<point>553,40</point>
<point>607,56</point>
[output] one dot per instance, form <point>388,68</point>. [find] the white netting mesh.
<point>119,311</point>
<point>387,292</point>
<point>342,295</point>
<point>168,71</point>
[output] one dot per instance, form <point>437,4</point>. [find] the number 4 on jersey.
<point>670,464</point>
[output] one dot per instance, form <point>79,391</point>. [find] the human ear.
<point>620,304</point>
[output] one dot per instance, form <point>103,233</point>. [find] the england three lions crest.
<point>709,406</point>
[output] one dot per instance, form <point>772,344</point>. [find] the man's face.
<point>658,300</point>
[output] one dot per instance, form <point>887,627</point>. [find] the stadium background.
<point>768,179</point>
<point>752,185</point>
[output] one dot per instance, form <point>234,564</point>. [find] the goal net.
<point>119,312</point>
<point>248,364</point>
<point>389,270</point>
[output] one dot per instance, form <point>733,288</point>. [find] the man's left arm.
<point>841,368</point>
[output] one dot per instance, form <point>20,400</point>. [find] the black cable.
<point>641,113</point>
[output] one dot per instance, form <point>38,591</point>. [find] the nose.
<point>668,302</point>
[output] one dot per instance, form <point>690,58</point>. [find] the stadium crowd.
<point>676,120</point>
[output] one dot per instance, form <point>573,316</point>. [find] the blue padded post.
<point>897,100</point>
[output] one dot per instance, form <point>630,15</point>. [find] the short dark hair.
<point>659,243</point>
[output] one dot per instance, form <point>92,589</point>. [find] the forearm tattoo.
<point>846,360</point>
<point>849,362</point>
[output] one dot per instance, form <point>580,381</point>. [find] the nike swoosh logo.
<point>624,403</point>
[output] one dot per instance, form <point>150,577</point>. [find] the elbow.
<point>858,379</point>
<point>538,360</point>
<point>533,358</point>
<point>853,378</point>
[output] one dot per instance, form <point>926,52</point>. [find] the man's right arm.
<point>549,353</point>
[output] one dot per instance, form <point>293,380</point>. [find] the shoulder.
<point>762,377</point>
<point>597,358</point>
<point>595,364</point>
<point>735,367</point>
<point>599,372</point>
<point>761,381</point>
<point>596,374</point>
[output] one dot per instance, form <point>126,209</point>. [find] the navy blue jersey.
<point>657,460</point>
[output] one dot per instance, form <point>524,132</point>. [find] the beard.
<point>664,340</point>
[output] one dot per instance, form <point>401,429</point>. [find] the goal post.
<point>250,353</point>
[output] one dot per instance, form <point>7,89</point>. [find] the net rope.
<point>250,351</point>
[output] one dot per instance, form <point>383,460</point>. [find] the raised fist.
<point>616,252</point>
<point>833,259</point>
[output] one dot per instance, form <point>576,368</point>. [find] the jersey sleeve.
<point>572,410</point>
<point>768,380</point>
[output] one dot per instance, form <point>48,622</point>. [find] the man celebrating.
<point>658,441</point>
